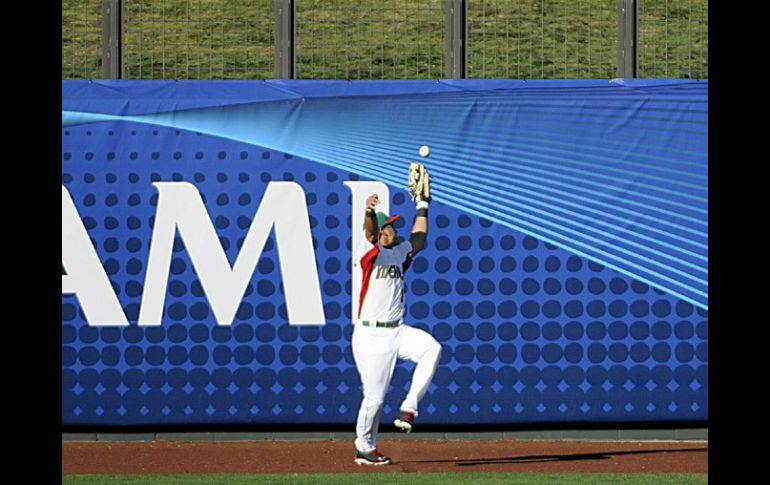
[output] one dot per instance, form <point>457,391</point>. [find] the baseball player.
<point>380,336</point>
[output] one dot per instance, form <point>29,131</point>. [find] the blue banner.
<point>208,229</point>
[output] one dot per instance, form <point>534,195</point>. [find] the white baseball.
<point>424,151</point>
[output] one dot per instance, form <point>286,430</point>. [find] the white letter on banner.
<point>283,206</point>
<point>360,192</point>
<point>85,276</point>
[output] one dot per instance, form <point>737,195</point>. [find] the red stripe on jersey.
<point>367,265</point>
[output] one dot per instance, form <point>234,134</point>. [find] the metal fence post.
<point>112,39</point>
<point>285,39</point>
<point>456,39</point>
<point>628,38</point>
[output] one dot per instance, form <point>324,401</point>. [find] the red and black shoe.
<point>372,458</point>
<point>405,421</point>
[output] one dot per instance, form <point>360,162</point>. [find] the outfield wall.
<point>208,227</point>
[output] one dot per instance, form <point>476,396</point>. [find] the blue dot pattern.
<point>530,333</point>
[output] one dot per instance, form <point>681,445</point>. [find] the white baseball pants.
<point>375,351</point>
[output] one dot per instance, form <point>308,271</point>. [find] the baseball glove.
<point>419,182</point>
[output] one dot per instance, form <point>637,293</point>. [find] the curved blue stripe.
<point>368,131</point>
<point>542,233</point>
<point>73,118</point>
<point>519,128</point>
<point>485,194</point>
<point>492,142</point>
<point>503,170</point>
<point>388,169</point>
<point>570,140</point>
<point>489,163</point>
<point>549,202</point>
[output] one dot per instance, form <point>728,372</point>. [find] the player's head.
<point>388,235</point>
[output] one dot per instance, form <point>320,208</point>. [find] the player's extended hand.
<point>371,202</point>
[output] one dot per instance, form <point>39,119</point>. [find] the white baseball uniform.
<point>375,348</point>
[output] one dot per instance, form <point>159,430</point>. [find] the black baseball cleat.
<point>372,458</point>
<point>405,421</point>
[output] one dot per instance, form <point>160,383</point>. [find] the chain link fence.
<point>199,39</point>
<point>370,39</point>
<point>673,38</point>
<point>81,42</point>
<point>385,39</point>
<point>537,39</point>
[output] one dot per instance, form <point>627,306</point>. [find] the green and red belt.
<point>378,323</point>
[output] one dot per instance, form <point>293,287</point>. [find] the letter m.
<point>181,208</point>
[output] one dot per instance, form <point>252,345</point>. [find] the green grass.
<point>396,478</point>
<point>386,39</point>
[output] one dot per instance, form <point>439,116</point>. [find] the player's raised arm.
<point>370,219</point>
<point>419,187</point>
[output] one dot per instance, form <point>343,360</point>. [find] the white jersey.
<point>381,271</point>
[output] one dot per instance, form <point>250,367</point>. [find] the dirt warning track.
<point>181,457</point>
